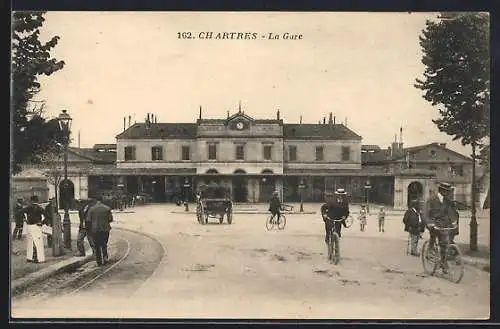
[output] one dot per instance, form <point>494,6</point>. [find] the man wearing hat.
<point>275,205</point>
<point>440,212</point>
<point>19,218</point>
<point>413,225</point>
<point>335,208</point>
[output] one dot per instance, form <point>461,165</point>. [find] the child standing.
<point>381,219</point>
<point>362,218</point>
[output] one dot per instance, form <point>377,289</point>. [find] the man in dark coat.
<point>85,226</point>
<point>440,212</point>
<point>48,219</point>
<point>100,217</point>
<point>275,205</point>
<point>18,218</point>
<point>413,223</point>
<point>335,208</point>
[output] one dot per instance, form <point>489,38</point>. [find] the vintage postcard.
<point>250,165</point>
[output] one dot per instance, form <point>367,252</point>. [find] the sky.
<point>359,66</point>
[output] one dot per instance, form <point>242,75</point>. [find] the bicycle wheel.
<point>281,222</point>
<point>455,263</point>
<point>335,243</point>
<point>430,258</point>
<point>348,221</point>
<point>330,247</point>
<point>269,223</point>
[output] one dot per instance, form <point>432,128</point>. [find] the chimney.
<point>345,123</point>
<point>401,139</point>
<point>78,138</point>
<point>200,113</point>
<point>324,120</point>
<point>129,120</point>
<point>300,119</point>
<point>389,151</point>
<point>228,114</point>
<point>442,145</point>
<point>147,118</point>
<point>330,119</point>
<point>124,123</point>
<point>334,120</point>
<point>278,114</point>
<point>156,118</point>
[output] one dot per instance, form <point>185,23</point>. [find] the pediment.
<point>239,121</point>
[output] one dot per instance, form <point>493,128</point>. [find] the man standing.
<point>100,217</point>
<point>19,218</point>
<point>413,225</point>
<point>34,213</point>
<point>440,212</point>
<point>84,230</point>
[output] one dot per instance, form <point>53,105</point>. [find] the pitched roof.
<point>159,130</point>
<point>421,147</point>
<point>319,131</point>
<point>94,155</point>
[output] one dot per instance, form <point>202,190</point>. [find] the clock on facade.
<point>240,125</point>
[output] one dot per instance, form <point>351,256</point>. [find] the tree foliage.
<point>32,135</point>
<point>457,74</point>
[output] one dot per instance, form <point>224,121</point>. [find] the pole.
<point>57,248</point>
<point>302,199</point>
<point>66,221</point>
<point>473,220</point>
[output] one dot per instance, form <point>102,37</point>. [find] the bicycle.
<point>333,240</point>
<point>280,221</point>
<point>431,258</point>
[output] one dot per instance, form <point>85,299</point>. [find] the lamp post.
<point>301,191</point>
<point>65,124</point>
<point>186,187</point>
<point>367,189</point>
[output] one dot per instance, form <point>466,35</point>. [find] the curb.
<point>66,265</point>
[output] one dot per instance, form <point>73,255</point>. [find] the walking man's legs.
<point>414,244</point>
<point>98,243</point>
<point>29,244</point>
<point>105,246</point>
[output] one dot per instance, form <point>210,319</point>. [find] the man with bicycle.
<point>439,213</point>
<point>275,206</point>
<point>334,209</point>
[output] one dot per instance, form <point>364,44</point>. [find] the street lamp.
<point>367,189</point>
<point>186,187</point>
<point>65,124</point>
<point>301,191</point>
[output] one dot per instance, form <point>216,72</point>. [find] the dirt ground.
<point>244,271</point>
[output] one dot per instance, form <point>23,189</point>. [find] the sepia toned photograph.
<point>250,165</point>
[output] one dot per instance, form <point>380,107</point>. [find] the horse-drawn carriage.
<point>214,201</point>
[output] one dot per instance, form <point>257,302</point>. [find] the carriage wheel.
<point>229,216</point>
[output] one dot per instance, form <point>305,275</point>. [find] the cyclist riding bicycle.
<point>439,213</point>
<point>334,209</point>
<point>275,205</point>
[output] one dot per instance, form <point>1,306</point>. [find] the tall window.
<point>129,153</point>
<point>292,153</point>
<point>240,152</point>
<point>268,152</point>
<point>156,153</point>
<point>212,152</point>
<point>320,153</point>
<point>185,153</point>
<point>346,153</point>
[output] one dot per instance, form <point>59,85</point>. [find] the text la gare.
<point>284,36</point>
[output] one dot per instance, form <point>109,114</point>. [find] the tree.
<point>54,172</point>
<point>457,79</point>
<point>32,135</point>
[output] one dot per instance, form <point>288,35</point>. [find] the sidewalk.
<point>25,274</point>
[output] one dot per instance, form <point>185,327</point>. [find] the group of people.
<point>95,218</point>
<point>439,212</point>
